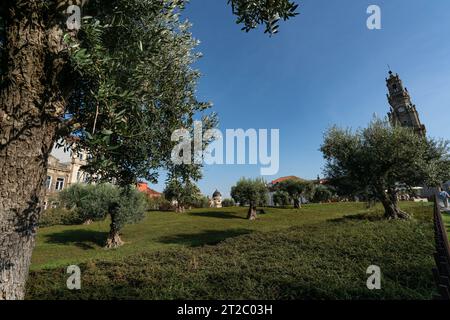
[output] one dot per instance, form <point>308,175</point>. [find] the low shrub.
<point>228,203</point>
<point>158,204</point>
<point>281,198</point>
<point>59,216</point>
<point>201,202</point>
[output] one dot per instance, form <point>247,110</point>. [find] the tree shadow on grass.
<point>372,216</point>
<point>85,239</point>
<point>217,214</point>
<point>207,237</point>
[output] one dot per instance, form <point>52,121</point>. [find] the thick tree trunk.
<point>29,107</point>
<point>391,208</point>
<point>297,203</point>
<point>114,240</point>
<point>251,215</point>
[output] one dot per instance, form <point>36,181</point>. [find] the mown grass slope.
<point>318,252</point>
<point>64,245</point>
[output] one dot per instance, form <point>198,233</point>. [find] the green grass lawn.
<point>317,252</point>
<point>64,245</point>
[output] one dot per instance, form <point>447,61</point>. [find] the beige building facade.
<point>61,174</point>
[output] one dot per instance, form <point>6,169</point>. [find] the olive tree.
<point>96,202</point>
<point>280,198</point>
<point>130,207</point>
<point>251,192</point>
<point>322,193</point>
<point>379,159</point>
<point>228,203</point>
<point>183,193</point>
<point>73,198</point>
<point>296,188</point>
<point>119,84</point>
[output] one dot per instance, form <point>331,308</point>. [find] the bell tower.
<point>403,112</point>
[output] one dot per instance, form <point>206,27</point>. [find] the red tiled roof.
<point>285,178</point>
<point>143,187</point>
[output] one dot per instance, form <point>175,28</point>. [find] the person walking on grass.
<point>444,197</point>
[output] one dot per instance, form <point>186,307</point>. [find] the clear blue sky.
<point>323,68</point>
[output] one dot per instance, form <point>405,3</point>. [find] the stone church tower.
<point>403,112</point>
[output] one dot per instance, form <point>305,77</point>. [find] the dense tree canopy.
<point>183,192</point>
<point>296,188</point>
<point>252,13</point>
<point>116,87</point>
<point>228,203</point>
<point>98,201</point>
<point>135,87</point>
<point>281,198</point>
<point>251,192</point>
<point>379,159</point>
<point>322,193</point>
<point>86,200</point>
<point>129,79</point>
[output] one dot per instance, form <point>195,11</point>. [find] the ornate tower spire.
<point>403,112</point>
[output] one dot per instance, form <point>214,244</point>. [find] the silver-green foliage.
<point>97,201</point>
<point>378,159</point>
<point>251,192</point>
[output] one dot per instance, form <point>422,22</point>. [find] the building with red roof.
<point>143,187</point>
<point>276,181</point>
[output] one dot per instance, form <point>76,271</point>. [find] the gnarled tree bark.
<point>30,105</point>
<point>114,240</point>
<point>391,208</point>
<point>297,204</point>
<point>251,215</point>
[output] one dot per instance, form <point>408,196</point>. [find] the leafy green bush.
<point>130,207</point>
<point>228,202</point>
<point>201,202</point>
<point>59,216</point>
<point>185,192</point>
<point>252,192</point>
<point>158,204</point>
<point>71,197</point>
<point>296,190</point>
<point>165,205</point>
<point>322,194</point>
<point>97,201</point>
<point>281,198</point>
